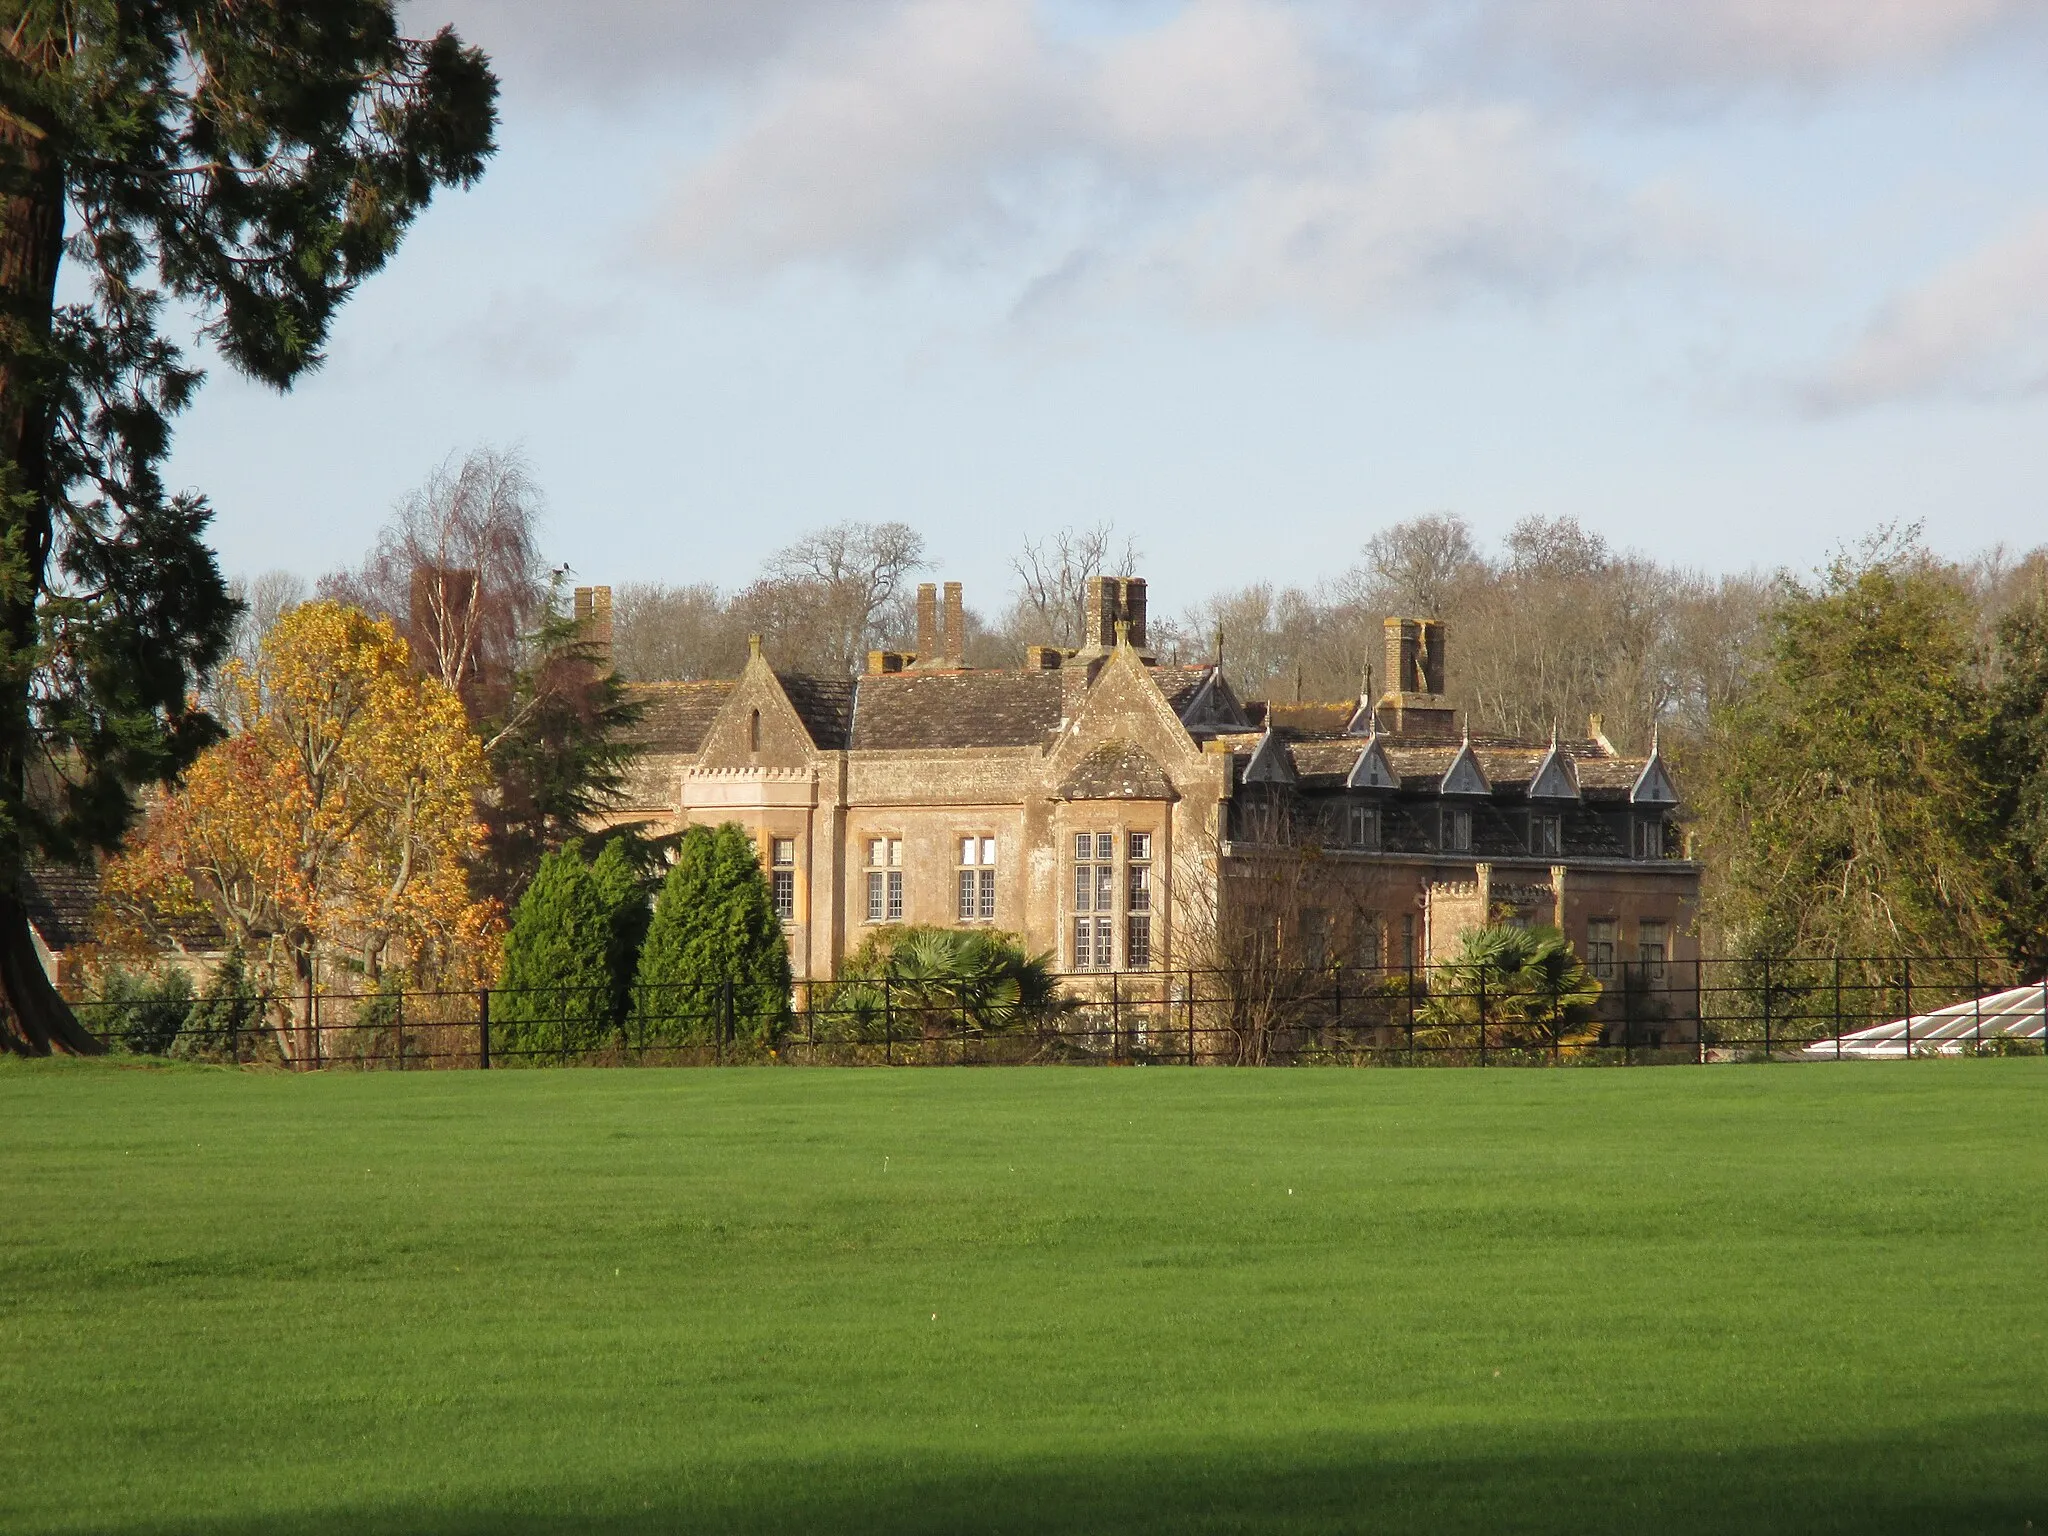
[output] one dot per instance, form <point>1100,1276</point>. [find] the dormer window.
<point>1458,829</point>
<point>1362,827</point>
<point>1649,837</point>
<point>1546,835</point>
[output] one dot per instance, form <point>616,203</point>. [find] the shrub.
<point>622,892</point>
<point>229,1013</point>
<point>143,1014</point>
<point>1532,988</point>
<point>936,981</point>
<point>714,925</point>
<point>554,995</point>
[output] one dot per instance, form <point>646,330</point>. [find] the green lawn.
<point>1756,1299</point>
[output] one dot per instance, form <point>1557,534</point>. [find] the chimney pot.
<point>927,619</point>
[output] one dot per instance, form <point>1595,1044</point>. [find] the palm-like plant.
<point>938,980</point>
<point>1524,984</point>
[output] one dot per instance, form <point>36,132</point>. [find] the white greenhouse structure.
<point>2016,1014</point>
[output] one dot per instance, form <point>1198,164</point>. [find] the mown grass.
<point>1766,1299</point>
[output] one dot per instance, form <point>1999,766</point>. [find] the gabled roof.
<point>1365,719</point>
<point>922,710</point>
<point>675,717</point>
<point>1554,779</point>
<point>1269,763</point>
<point>1653,785</point>
<point>1117,770</point>
<point>1202,698</point>
<point>1464,776</point>
<point>1372,770</point>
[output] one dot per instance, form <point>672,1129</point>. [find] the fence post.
<point>1411,1009</point>
<point>1116,1020</point>
<point>723,1022</point>
<point>483,1028</point>
<point>1838,1005</point>
<point>888,1024</point>
<point>1482,1017</point>
<point>1699,1008</point>
<point>1191,1016</point>
<point>1977,993</point>
<point>1337,1006</point>
<point>1767,1008</point>
<point>398,1027</point>
<point>1906,983</point>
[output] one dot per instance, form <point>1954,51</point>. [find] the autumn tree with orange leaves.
<point>335,821</point>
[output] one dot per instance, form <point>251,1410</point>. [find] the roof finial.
<point>754,647</point>
<point>1123,633</point>
<point>1553,733</point>
<point>1656,726</point>
<point>1219,647</point>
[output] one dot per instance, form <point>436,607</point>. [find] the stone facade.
<point>1123,815</point>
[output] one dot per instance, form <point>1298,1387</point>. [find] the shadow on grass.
<point>1988,1477</point>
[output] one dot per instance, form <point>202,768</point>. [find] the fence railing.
<point>1694,1011</point>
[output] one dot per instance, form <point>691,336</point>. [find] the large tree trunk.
<point>38,1020</point>
<point>31,248</point>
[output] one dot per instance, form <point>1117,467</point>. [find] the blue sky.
<point>1733,282</point>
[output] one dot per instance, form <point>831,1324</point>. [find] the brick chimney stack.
<point>955,636</point>
<point>1415,700</point>
<point>594,622</point>
<point>1108,601</point>
<point>927,621</point>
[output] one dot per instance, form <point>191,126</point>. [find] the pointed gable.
<point>1269,763</point>
<point>1554,780</point>
<point>1464,776</point>
<point>1372,771</point>
<point>1653,785</point>
<point>1203,699</point>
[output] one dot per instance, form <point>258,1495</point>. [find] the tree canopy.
<point>1842,807</point>
<point>338,817</point>
<point>255,163</point>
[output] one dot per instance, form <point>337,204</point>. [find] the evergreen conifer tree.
<point>252,165</point>
<point>555,993</point>
<point>229,1012</point>
<point>623,894</point>
<point>714,923</point>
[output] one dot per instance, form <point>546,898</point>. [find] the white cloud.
<point>871,148</point>
<point>599,49</point>
<point>1219,151</point>
<point>1978,329</point>
<point>1686,45</point>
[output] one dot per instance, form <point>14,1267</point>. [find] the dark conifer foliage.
<point>256,162</point>
<point>555,995</point>
<point>558,754</point>
<point>714,925</point>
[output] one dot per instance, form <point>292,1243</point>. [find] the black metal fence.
<point>1698,1012</point>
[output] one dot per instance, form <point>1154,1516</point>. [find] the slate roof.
<point>1326,764</point>
<point>1323,760</point>
<point>824,704</point>
<point>676,717</point>
<point>1117,770</point>
<point>1180,684</point>
<point>61,901</point>
<point>924,710</point>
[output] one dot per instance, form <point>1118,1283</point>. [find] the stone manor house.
<point>1123,815</point>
